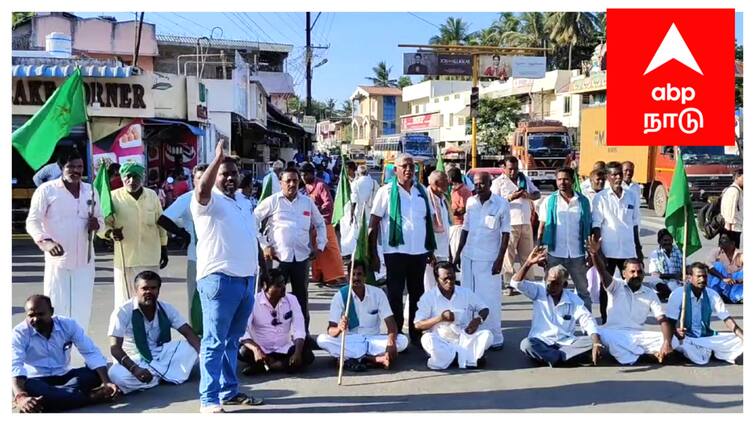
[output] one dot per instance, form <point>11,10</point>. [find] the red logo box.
<point>671,79</point>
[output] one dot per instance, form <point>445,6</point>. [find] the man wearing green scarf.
<point>565,223</point>
<point>403,218</point>
<point>140,342</point>
<point>698,304</point>
<point>140,243</point>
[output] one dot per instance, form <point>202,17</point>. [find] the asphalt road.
<point>509,382</point>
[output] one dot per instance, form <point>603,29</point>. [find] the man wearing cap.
<point>140,243</point>
<point>62,214</point>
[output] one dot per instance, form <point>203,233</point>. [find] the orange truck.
<point>709,168</point>
<point>542,147</point>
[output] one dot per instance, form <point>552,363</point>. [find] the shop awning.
<point>194,129</point>
<point>62,71</point>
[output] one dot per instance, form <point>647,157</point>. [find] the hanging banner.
<point>420,63</point>
<point>120,147</point>
<point>528,67</point>
<point>455,65</point>
<point>495,67</point>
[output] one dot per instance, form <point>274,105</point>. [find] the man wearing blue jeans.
<point>227,252</point>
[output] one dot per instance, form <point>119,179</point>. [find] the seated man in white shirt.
<point>451,317</point>
<point>555,313</point>
<point>140,340</point>
<point>690,308</point>
<point>365,345</point>
<point>43,380</point>
<point>629,303</point>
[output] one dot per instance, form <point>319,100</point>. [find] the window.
<point>451,119</point>
<point>416,109</point>
<point>567,105</point>
<point>445,98</point>
<point>436,100</point>
<point>389,115</point>
<point>457,96</point>
<point>460,121</point>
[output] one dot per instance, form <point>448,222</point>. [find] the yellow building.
<point>377,112</point>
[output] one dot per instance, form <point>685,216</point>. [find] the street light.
<point>321,63</point>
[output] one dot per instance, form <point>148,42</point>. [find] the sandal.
<point>354,365</point>
<point>243,399</point>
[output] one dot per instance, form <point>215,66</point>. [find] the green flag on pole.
<point>680,217</point>
<point>576,186</point>
<point>440,165</point>
<point>66,108</point>
<point>343,194</point>
<point>267,190</point>
<point>362,250</point>
<point>102,185</point>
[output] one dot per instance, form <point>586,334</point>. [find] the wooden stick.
<point>348,304</point>
<point>680,325</point>
<point>123,265</point>
<point>91,233</point>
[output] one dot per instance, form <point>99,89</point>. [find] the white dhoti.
<point>349,232</point>
<point>725,346</point>
<point>173,364</point>
<point>626,345</point>
<point>120,286</point>
<point>358,346</point>
<point>70,291</point>
<point>454,238</point>
<point>479,279</point>
<point>468,348</point>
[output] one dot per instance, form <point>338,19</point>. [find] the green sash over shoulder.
<point>140,333</point>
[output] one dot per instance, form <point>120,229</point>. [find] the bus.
<point>419,146</point>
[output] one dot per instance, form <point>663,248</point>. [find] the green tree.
<point>738,81</point>
<point>294,104</point>
<point>569,28</point>
<point>347,110</point>
<point>382,76</point>
<point>533,30</point>
<point>330,108</point>
<point>496,119</point>
<point>19,17</point>
<point>404,81</point>
<point>453,32</point>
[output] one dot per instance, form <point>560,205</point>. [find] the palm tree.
<point>531,32</point>
<point>382,76</point>
<point>453,32</point>
<point>404,81</point>
<point>347,110</point>
<point>568,28</point>
<point>330,107</point>
<point>485,37</point>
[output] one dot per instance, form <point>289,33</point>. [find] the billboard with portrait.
<point>495,67</point>
<point>420,63</point>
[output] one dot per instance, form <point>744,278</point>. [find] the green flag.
<point>440,165</point>
<point>362,250</point>
<point>676,216</point>
<point>267,190</point>
<point>343,194</point>
<point>66,108</point>
<point>576,186</point>
<point>102,186</point>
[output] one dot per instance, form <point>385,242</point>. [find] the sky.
<point>357,41</point>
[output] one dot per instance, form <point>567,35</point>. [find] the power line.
<point>243,31</point>
<point>424,20</point>
<point>181,29</point>
<point>286,22</point>
<point>191,21</point>
<point>275,28</point>
<point>257,25</point>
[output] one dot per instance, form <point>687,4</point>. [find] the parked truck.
<point>709,168</point>
<point>542,147</point>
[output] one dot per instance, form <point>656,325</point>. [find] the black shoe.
<point>482,362</point>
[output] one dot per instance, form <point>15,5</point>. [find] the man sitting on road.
<point>629,303</point>
<point>43,380</point>
<point>666,265</point>
<point>451,317</point>
<point>275,338</point>
<point>555,313</point>
<point>365,345</point>
<point>140,340</point>
<point>727,270</point>
<point>693,305</point>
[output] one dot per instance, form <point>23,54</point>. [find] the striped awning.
<point>62,71</point>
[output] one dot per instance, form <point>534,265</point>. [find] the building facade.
<point>377,112</point>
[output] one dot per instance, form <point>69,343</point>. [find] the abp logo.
<point>670,80</point>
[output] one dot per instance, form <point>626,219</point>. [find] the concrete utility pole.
<point>308,108</point>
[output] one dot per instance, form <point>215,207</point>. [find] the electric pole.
<point>308,108</point>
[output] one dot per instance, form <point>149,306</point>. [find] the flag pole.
<point>346,310</point>
<point>680,325</point>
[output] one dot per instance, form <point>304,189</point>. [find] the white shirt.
<point>590,193</point>
<point>521,208</point>
<point>464,304</point>
<point>226,235</point>
<point>732,203</point>
<point>363,190</point>
<point>674,308</point>
<point>47,173</point>
<point>180,213</point>
<point>120,326</point>
<point>413,212</point>
<point>485,223</point>
<point>616,217</point>
<point>555,324</point>
<point>629,310</point>
<point>568,232</point>
<point>441,239</point>
<point>288,224</point>
<point>371,311</point>
<point>55,214</point>
<point>633,187</point>
<point>585,185</point>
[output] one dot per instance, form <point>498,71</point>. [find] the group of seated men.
<point>450,316</point>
